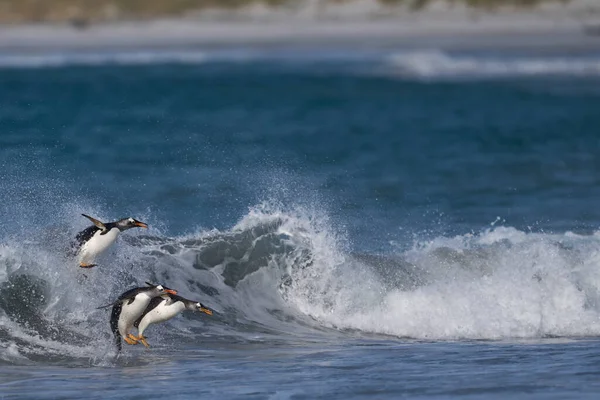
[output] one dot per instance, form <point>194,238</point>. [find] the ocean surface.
<point>365,223</point>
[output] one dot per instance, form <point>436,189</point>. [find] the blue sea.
<point>365,222</point>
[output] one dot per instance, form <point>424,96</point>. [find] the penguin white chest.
<point>97,245</point>
<point>131,312</point>
<point>163,312</point>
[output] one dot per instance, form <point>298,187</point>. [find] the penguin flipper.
<point>114,326</point>
<point>155,302</point>
<point>99,224</point>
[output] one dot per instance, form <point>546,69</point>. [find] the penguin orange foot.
<point>132,337</point>
<point>129,340</point>
<point>87,265</point>
<point>142,340</point>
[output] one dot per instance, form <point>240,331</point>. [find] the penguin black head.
<point>189,304</point>
<point>160,290</point>
<point>199,307</point>
<point>128,223</point>
<point>193,305</point>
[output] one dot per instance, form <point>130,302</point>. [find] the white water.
<point>502,283</point>
<point>499,284</point>
<point>431,64</point>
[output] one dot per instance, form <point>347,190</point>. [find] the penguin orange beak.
<point>170,291</point>
<point>141,224</point>
<point>206,310</point>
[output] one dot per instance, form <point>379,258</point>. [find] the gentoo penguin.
<point>163,308</point>
<point>129,307</point>
<point>94,240</point>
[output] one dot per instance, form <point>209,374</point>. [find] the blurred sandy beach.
<point>549,25</point>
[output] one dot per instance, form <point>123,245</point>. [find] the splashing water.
<point>286,272</point>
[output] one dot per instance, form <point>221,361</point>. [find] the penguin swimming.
<point>94,240</point>
<point>163,308</point>
<point>129,307</point>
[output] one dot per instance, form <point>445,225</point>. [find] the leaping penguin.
<point>163,308</point>
<point>95,239</point>
<point>129,307</point>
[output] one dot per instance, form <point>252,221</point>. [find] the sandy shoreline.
<point>556,27</point>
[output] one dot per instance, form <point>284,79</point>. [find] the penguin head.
<point>197,306</point>
<point>192,305</point>
<point>128,223</point>
<point>159,290</point>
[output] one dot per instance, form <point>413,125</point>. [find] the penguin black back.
<point>85,235</point>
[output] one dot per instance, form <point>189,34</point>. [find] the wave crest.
<point>431,64</point>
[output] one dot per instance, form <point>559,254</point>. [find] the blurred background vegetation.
<point>82,12</point>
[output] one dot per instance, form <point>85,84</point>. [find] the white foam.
<point>432,64</point>
<point>503,283</point>
<point>8,260</point>
<point>36,60</point>
<point>500,283</point>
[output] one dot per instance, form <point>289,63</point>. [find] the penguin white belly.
<point>163,312</point>
<point>131,312</point>
<point>97,245</point>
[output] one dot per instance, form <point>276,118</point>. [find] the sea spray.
<point>501,283</point>
<point>285,272</point>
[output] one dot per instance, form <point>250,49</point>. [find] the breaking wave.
<point>283,274</point>
<point>434,64</point>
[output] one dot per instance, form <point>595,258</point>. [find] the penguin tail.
<point>107,305</point>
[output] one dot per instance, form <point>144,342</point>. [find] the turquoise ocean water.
<point>365,223</point>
